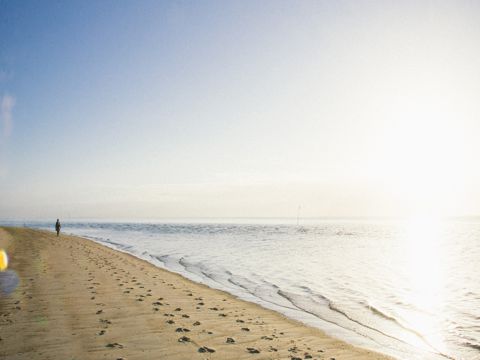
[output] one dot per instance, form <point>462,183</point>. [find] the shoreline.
<point>82,299</point>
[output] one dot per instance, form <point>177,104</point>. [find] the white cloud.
<point>6,107</point>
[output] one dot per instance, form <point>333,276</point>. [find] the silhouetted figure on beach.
<point>57,227</point>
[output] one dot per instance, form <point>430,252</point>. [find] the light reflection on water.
<point>408,288</point>
<point>425,266</point>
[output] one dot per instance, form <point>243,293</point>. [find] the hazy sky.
<point>139,109</point>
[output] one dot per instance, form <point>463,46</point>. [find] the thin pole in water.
<point>298,214</point>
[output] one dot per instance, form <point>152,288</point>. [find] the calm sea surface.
<point>410,289</point>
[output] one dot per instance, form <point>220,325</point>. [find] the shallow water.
<point>406,288</point>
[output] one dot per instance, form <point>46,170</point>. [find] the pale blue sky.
<point>139,109</point>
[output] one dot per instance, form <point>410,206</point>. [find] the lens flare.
<point>9,281</point>
<point>3,260</point>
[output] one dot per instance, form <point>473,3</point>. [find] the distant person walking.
<point>57,227</point>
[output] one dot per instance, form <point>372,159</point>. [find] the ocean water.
<point>410,289</point>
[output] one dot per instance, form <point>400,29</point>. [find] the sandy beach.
<point>79,300</point>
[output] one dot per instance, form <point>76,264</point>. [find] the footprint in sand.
<point>182,330</point>
<point>205,349</point>
<point>293,349</point>
<point>105,321</point>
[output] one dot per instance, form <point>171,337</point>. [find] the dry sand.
<point>79,300</point>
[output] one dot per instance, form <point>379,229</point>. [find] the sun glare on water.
<point>424,266</point>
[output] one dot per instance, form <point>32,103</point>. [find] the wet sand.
<point>79,300</point>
